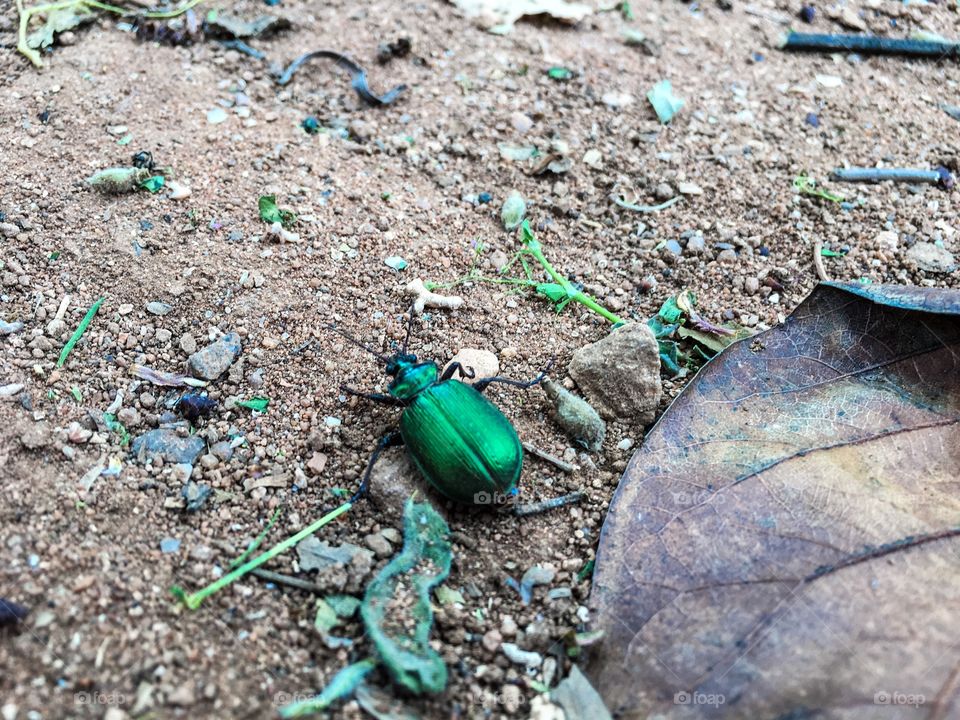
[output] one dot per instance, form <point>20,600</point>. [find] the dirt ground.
<point>104,638</point>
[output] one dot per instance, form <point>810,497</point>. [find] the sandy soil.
<point>104,636</point>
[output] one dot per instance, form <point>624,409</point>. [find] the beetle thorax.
<point>411,378</point>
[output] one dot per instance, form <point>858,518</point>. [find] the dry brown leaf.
<point>786,543</point>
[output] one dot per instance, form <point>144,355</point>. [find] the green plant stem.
<point>533,247</point>
<point>257,541</point>
<point>194,600</point>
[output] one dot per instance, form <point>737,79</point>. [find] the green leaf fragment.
<point>259,404</point>
<point>808,186</point>
<point>78,333</point>
<point>556,293</point>
<point>341,686</point>
<point>59,20</point>
<point>326,618</point>
<point>77,395</point>
<point>664,102</point>
<point>670,313</point>
<point>400,626</point>
<point>117,427</point>
<point>831,253</point>
<point>517,153</point>
<point>448,596</point>
<point>560,73</point>
<point>513,210</point>
<point>345,606</point>
<point>153,183</point>
<point>269,212</point>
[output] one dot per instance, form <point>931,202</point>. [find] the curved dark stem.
<point>358,76</point>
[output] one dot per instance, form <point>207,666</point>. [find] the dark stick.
<point>544,505</point>
<point>282,579</point>
<point>869,44</point>
<point>907,175</point>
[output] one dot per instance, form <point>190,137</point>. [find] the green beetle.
<point>461,443</point>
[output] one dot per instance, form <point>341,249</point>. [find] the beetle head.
<point>398,362</point>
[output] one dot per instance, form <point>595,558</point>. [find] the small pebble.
<point>158,308</point>
<point>491,640</point>
<point>516,655</point>
<point>216,116</point>
<point>169,545</point>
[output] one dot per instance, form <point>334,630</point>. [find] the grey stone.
<point>169,545</point>
<point>932,258</point>
<point>223,450</point>
<point>158,308</point>
<point>211,362</point>
<point>696,245</point>
<point>620,374</point>
<point>340,567</point>
<point>35,436</point>
<point>166,443</point>
<point>379,544</point>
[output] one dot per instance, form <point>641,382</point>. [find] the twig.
<point>544,505</point>
<point>871,44</point>
<point>194,600</point>
<point>645,208</point>
<point>282,579</point>
<point>908,175</point>
<point>553,459</point>
<point>818,261</point>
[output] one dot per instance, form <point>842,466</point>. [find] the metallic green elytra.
<point>461,443</point>
<point>464,446</point>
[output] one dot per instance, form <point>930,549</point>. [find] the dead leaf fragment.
<point>500,15</point>
<point>786,541</point>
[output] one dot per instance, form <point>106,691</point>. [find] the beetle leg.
<point>389,440</point>
<point>481,385</point>
<point>465,372</point>
<point>376,397</point>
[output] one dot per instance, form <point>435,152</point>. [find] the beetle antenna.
<point>406,340</point>
<point>343,333</point>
